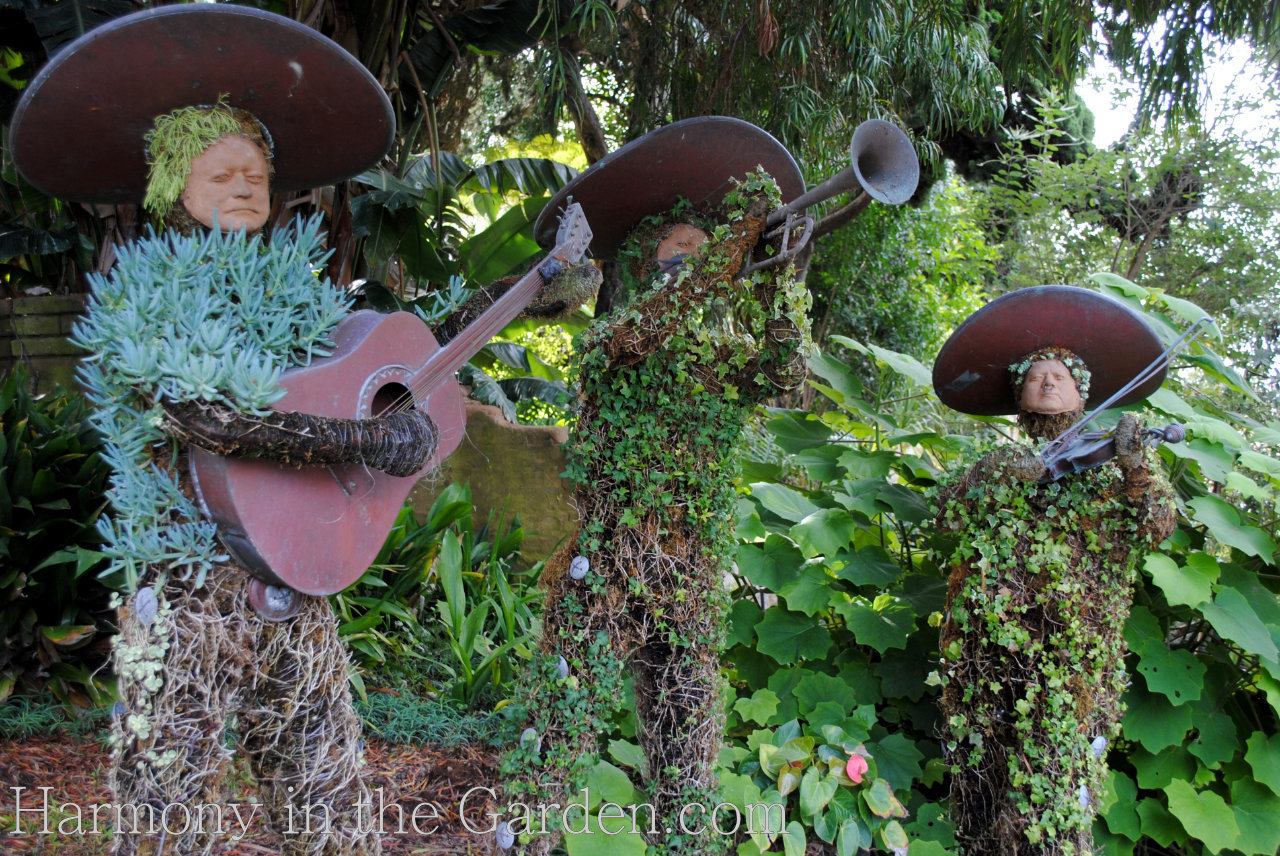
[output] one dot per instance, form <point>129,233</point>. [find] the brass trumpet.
<point>882,162</point>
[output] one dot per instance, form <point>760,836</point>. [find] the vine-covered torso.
<point>667,383</point>
<point>1038,594</point>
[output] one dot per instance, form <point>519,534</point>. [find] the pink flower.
<point>855,768</point>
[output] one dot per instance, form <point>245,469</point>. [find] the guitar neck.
<point>453,356</point>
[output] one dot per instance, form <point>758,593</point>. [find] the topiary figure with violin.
<point>1042,544</point>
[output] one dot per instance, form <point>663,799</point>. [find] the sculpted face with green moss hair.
<point>207,165</point>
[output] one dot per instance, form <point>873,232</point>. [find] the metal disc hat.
<point>77,132</point>
<point>695,159</point>
<point>971,373</point>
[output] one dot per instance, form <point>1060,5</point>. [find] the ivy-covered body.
<point>1039,591</point>
<point>667,383</point>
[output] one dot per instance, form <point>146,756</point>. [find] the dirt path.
<point>415,779</point>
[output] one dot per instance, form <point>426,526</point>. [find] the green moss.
<point>178,138</point>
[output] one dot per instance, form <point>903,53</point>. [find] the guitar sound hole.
<point>391,398</point>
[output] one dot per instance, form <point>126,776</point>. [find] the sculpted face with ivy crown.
<point>1050,389</point>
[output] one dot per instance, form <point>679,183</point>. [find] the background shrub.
<point>53,608</point>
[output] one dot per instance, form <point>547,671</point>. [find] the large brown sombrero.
<point>695,159</point>
<point>971,373</point>
<point>78,131</point>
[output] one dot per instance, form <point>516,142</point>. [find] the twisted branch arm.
<point>400,444</point>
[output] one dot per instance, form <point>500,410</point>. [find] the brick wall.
<point>34,330</point>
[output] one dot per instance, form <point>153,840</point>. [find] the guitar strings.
<point>416,391</point>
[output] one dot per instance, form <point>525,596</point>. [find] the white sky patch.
<point>1112,100</point>
<point>1230,75</point>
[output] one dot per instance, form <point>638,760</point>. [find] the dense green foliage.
<point>444,610</point>
<point>832,624</point>
<point>847,555</point>
<point>53,607</point>
<point>438,217</point>
<point>808,72</point>
<point>903,277</point>
<point>668,380</point>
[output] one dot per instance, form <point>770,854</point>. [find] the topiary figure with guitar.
<point>262,436</point>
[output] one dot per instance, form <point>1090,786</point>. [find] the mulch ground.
<point>75,772</point>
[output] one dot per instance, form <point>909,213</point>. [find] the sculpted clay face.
<point>230,178</point>
<point>683,240</point>
<point>1049,388</point>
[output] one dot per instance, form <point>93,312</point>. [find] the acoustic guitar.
<point>316,529</point>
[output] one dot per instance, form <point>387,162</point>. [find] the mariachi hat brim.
<point>695,159</point>
<point>972,374</point>
<point>78,131</point>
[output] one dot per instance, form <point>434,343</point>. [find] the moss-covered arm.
<point>782,364</point>
<point>1144,489</point>
<point>1010,464</point>
<point>400,444</point>
<point>559,296</point>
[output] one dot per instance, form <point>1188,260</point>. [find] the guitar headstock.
<point>574,235</point>
<point>572,239</point>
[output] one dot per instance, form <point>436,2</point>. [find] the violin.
<point>1077,451</point>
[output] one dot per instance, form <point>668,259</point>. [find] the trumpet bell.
<point>884,161</point>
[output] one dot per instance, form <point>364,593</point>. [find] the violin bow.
<point>1058,446</point>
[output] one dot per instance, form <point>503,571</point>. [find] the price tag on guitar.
<point>316,529</point>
